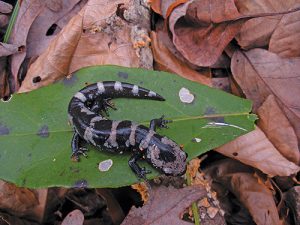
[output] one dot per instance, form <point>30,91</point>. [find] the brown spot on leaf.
<point>3,130</point>
<point>43,131</point>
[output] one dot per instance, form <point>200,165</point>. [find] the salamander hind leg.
<point>77,149</point>
<point>160,122</point>
<point>139,171</point>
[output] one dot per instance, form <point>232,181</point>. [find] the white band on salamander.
<point>101,88</point>
<point>80,96</point>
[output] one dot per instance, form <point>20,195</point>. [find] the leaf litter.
<point>51,40</point>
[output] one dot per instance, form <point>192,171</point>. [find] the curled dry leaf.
<point>165,206</point>
<point>285,38</point>
<point>202,29</point>
<point>256,150</point>
<point>257,32</point>
<point>278,129</point>
<point>260,73</point>
<point>241,181</point>
<point>167,61</point>
<point>93,37</point>
<point>34,24</point>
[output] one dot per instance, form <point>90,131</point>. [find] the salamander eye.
<point>181,147</point>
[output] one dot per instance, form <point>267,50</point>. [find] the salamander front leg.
<point>160,122</point>
<point>77,150</point>
<point>140,172</point>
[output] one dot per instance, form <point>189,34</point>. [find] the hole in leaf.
<point>6,98</point>
<point>51,30</point>
<point>36,79</point>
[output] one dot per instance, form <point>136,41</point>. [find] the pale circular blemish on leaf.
<point>186,96</point>
<point>105,165</point>
<point>198,140</point>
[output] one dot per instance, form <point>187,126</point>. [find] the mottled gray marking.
<point>112,139</point>
<point>94,120</point>
<point>69,81</point>
<point>101,88</point>
<point>153,155</point>
<point>89,135</point>
<point>123,75</point>
<point>151,94</point>
<point>132,134</point>
<point>43,131</point>
<point>135,90</point>
<point>118,86</point>
<point>168,141</point>
<point>80,96</point>
<point>86,111</point>
<point>81,184</point>
<point>145,142</point>
<point>3,129</point>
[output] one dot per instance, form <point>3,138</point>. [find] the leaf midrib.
<point>143,123</point>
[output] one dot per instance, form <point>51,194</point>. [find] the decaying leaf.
<point>165,206</point>
<point>97,35</point>
<point>75,217</point>
<point>256,150</point>
<point>285,38</point>
<point>257,32</point>
<point>260,73</point>
<point>35,27</point>
<point>17,201</point>
<point>241,181</point>
<point>278,129</point>
<point>165,60</point>
<point>200,32</point>
<point>8,49</point>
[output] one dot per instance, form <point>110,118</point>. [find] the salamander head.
<point>167,156</point>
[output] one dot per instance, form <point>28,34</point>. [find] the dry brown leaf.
<point>256,32</point>
<point>285,38</point>
<point>161,6</point>
<point>28,12</point>
<point>75,217</point>
<point>5,8</point>
<point>243,183</point>
<point>278,129</point>
<point>199,31</point>
<point>93,37</point>
<point>165,60</point>
<point>38,39</point>
<point>8,49</point>
<point>16,200</point>
<point>260,73</point>
<point>256,150</point>
<point>165,206</point>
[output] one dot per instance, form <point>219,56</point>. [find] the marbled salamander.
<point>86,113</point>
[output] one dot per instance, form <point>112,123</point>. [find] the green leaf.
<point>35,135</point>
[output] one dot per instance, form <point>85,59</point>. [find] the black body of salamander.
<point>86,112</point>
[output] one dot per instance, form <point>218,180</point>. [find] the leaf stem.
<point>194,204</point>
<point>12,21</point>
